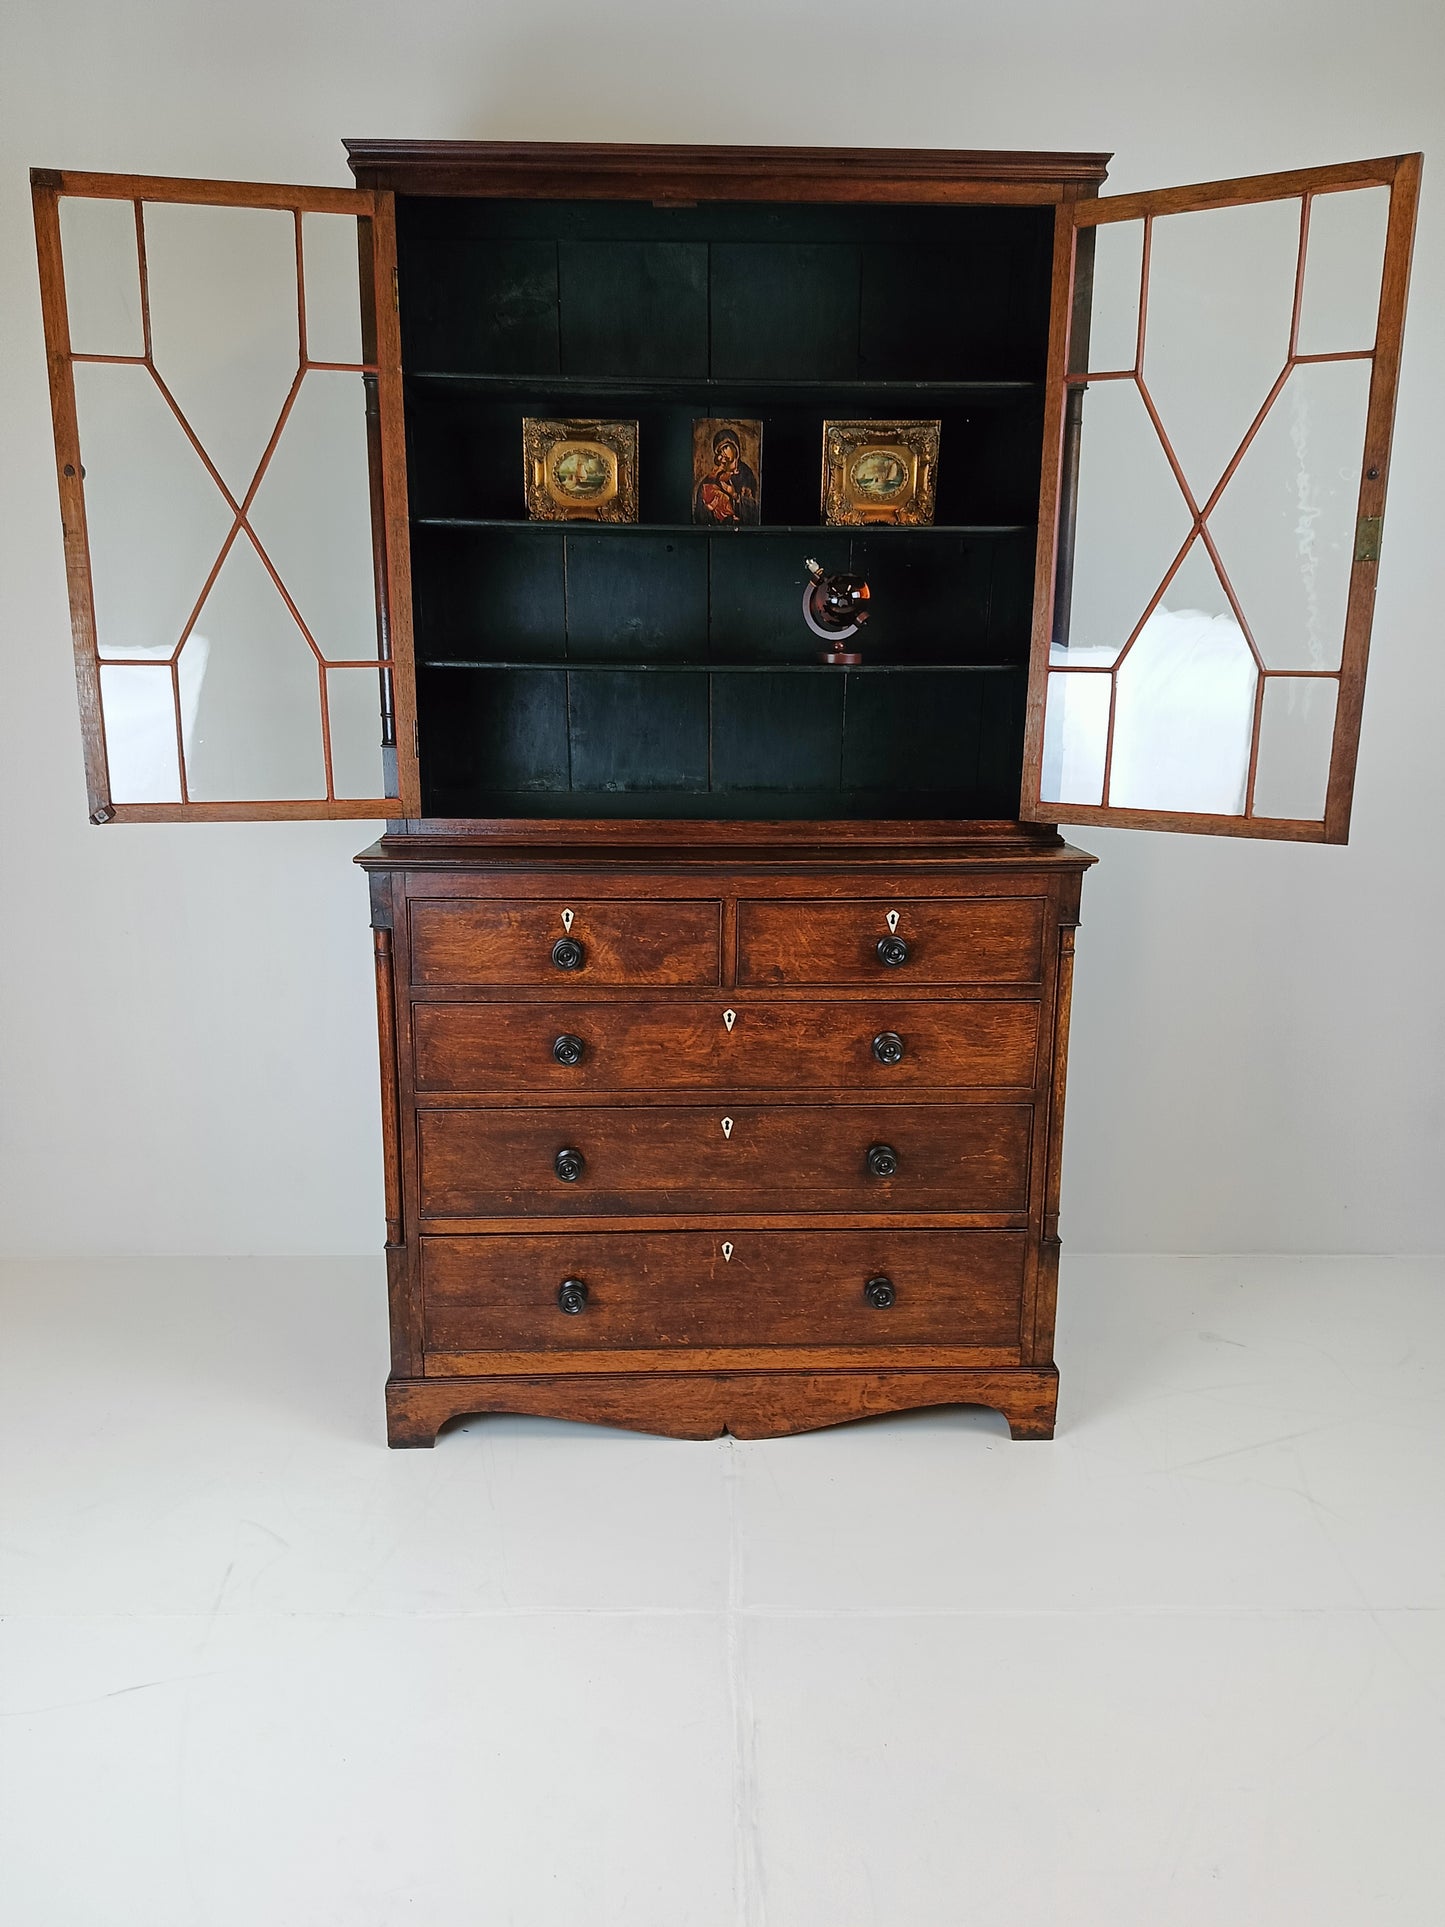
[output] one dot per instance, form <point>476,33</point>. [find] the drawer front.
<point>485,941</point>
<point>534,1048</point>
<point>689,1158</point>
<point>947,940</point>
<point>693,1288</point>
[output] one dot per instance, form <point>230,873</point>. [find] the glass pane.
<point>1285,524</point>
<point>140,726</point>
<point>1076,732</point>
<point>312,514</point>
<point>333,287</point>
<point>354,704</point>
<point>1185,711</point>
<point>1131,519</point>
<point>1221,299</point>
<point>1344,259</point>
<point>1296,736</point>
<point>102,277</point>
<point>224,325</point>
<point>154,518</point>
<point>140,735</point>
<point>258,730</point>
<point>1114,327</point>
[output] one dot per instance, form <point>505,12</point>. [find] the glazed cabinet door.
<point>226,389</point>
<point>1222,378</point>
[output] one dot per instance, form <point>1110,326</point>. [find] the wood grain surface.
<point>499,942</point>
<point>969,940</point>
<point>488,1162</point>
<point>639,1045</point>
<point>706,1405</point>
<point>688,1288</point>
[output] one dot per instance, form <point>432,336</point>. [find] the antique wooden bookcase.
<point>723,993</point>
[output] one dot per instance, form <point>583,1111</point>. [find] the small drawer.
<point>655,1046</point>
<point>671,1158</point>
<point>714,1289</point>
<point>484,940</point>
<point>900,941</point>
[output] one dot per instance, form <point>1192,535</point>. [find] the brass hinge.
<point>395,293</point>
<point>1367,538</point>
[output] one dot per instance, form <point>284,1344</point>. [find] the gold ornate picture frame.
<point>580,471</point>
<point>880,473</point>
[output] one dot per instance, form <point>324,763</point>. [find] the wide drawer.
<point>697,1288</point>
<point>639,1159</point>
<point>647,1046</point>
<point>482,940</point>
<point>944,940</point>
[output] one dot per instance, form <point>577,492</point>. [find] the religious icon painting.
<point>727,467</point>
<point>880,473</point>
<point>580,471</point>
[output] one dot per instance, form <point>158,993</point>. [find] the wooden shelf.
<point>742,668</point>
<point>698,528</point>
<point>738,388</point>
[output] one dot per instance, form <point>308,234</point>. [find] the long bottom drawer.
<point>698,1289</point>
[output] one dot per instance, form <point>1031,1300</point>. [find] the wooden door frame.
<point>1400,174</point>
<point>374,212</point>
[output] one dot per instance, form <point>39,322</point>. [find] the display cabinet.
<point>723,986</point>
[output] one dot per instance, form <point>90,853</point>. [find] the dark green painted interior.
<point>665,670</point>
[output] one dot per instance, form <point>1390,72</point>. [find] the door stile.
<point>1379,432</point>
<point>1061,301</point>
<point>382,318</point>
<point>56,319</point>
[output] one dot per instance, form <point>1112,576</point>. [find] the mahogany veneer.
<point>614,1196</point>
<point>579,1047</point>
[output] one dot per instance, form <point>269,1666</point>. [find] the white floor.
<point>1184,1665</point>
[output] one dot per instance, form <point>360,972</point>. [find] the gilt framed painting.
<point>880,473</point>
<point>580,471</point>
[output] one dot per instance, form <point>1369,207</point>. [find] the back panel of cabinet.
<point>664,669</point>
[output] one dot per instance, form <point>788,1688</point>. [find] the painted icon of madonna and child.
<point>727,459</point>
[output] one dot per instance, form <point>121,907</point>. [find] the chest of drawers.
<point>752,1139</point>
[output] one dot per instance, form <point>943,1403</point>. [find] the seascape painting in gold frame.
<point>580,471</point>
<point>880,473</point>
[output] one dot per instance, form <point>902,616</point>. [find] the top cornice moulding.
<point>678,172</point>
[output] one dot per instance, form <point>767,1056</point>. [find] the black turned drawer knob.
<point>572,1296</point>
<point>882,1161</point>
<point>568,1049</point>
<point>568,1165</point>
<point>892,950</point>
<point>888,1047</point>
<point>568,954</point>
<point>880,1293</point>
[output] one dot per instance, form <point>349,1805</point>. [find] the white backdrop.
<point>188,1052</point>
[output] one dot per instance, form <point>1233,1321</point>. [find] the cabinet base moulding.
<point>709,1405</point>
